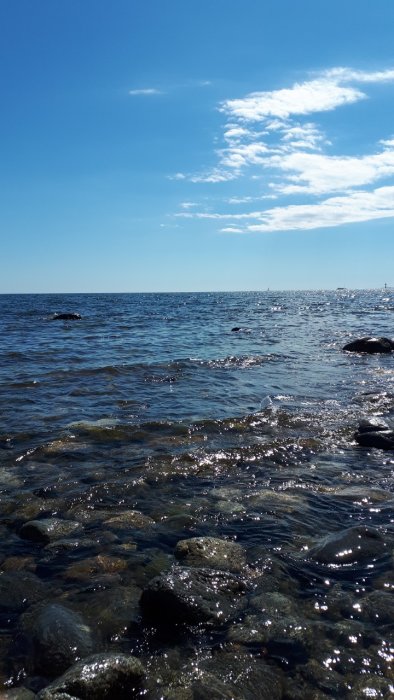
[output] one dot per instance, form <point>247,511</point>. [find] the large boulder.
<point>370,345</point>
<point>98,677</point>
<point>355,544</point>
<point>211,552</point>
<point>193,596</point>
<point>53,638</point>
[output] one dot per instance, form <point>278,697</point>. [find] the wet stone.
<point>48,529</point>
<point>17,694</point>
<point>355,544</point>
<point>193,596</point>
<point>19,590</point>
<point>381,439</point>
<point>101,564</point>
<point>370,345</point>
<point>211,552</point>
<point>370,425</point>
<point>54,637</point>
<point>371,687</point>
<point>130,518</point>
<point>101,676</point>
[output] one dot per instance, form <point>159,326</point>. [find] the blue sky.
<point>191,145</point>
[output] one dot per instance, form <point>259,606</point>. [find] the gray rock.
<point>19,590</point>
<point>193,596</point>
<point>248,677</point>
<point>17,694</point>
<point>98,677</point>
<point>54,638</point>
<point>48,529</point>
<point>370,345</point>
<point>382,439</point>
<point>355,544</point>
<point>211,552</point>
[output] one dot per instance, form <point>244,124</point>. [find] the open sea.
<point>150,421</point>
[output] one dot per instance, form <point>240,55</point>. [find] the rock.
<point>48,529</point>
<point>84,569</point>
<point>371,686</point>
<point>66,317</point>
<point>17,694</point>
<point>18,590</point>
<point>370,345</point>
<point>355,544</point>
<point>372,425</point>
<point>382,439</point>
<point>192,596</point>
<point>236,329</point>
<point>98,677</point>
<point>129,518</point>
<point>248,677</point>
<point>211,552</point>
<point>54,638</point>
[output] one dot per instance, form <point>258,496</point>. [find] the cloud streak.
<point>273,136</point>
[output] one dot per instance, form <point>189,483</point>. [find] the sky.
<point>196,145</point>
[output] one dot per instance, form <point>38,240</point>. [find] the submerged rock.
<point>98,677</point>
<point>192,596</point>
<point>54,638</point>
<point>17,694</point>
<point>212,552</point>
<point>66,317</point>
<point>355,544</point>
<point>18,590</point>
<point>48,529</point>
<point>370,345</point>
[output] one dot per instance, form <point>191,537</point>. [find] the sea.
<point>157,418</point>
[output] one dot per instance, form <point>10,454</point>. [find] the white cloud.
<point>313,173</point>
<point>312,96</point>
<point>145,91</point>
<point>271,134</point>
<point>334,211</point>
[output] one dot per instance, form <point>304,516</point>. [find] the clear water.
<point>152,403</point>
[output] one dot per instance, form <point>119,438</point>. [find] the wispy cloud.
<point>269,135</point>
<point>334,211</point>
<point>145,91</point>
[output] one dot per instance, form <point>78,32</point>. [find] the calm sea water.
<point>151,403</point>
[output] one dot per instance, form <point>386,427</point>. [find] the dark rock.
<point>192,596</point>
<point>19,590</point>
<point>355,544</point>
<point>236,329</point>
<point>211,552</point>
<point>53,638</point>
<point>98,677</point>
<point>371,425</point>
<point>48,529</point>
<point>248,677</point>
<point>66,317</point>
<point>370,345</point>
<point>382,439</point>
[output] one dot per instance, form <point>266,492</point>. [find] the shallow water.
<point>151,403</point>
